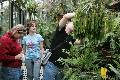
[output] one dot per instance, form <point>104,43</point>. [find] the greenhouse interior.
<point>96,26</point>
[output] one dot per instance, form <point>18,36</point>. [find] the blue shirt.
<point>32,44</point>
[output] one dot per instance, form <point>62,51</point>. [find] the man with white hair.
<point>61,40</point>
<point>11,53</point>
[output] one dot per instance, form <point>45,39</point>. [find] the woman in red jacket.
<point>11,53</point>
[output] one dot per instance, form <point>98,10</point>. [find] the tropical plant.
<point>97,26</point>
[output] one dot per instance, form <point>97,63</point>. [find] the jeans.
<point>52,72</point>
<point>0,71</point>
<point>33,69</point>
<point>11,73</point>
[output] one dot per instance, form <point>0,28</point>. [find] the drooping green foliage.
<point>92,20</point>
<point>98,29</point>
<point>96,26</point>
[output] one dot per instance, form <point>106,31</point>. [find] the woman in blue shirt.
<point>33,48</point>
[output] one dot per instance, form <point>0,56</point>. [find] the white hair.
<point>18,27</point>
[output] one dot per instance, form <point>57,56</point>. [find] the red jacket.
<point>9,48</point>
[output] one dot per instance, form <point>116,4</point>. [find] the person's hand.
<point>22,52</point>
<point>77,41</point>
<point>19,56</point>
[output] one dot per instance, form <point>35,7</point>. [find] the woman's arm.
<point>42,47</point>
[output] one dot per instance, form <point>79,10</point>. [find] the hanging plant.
<point>92,21</point>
